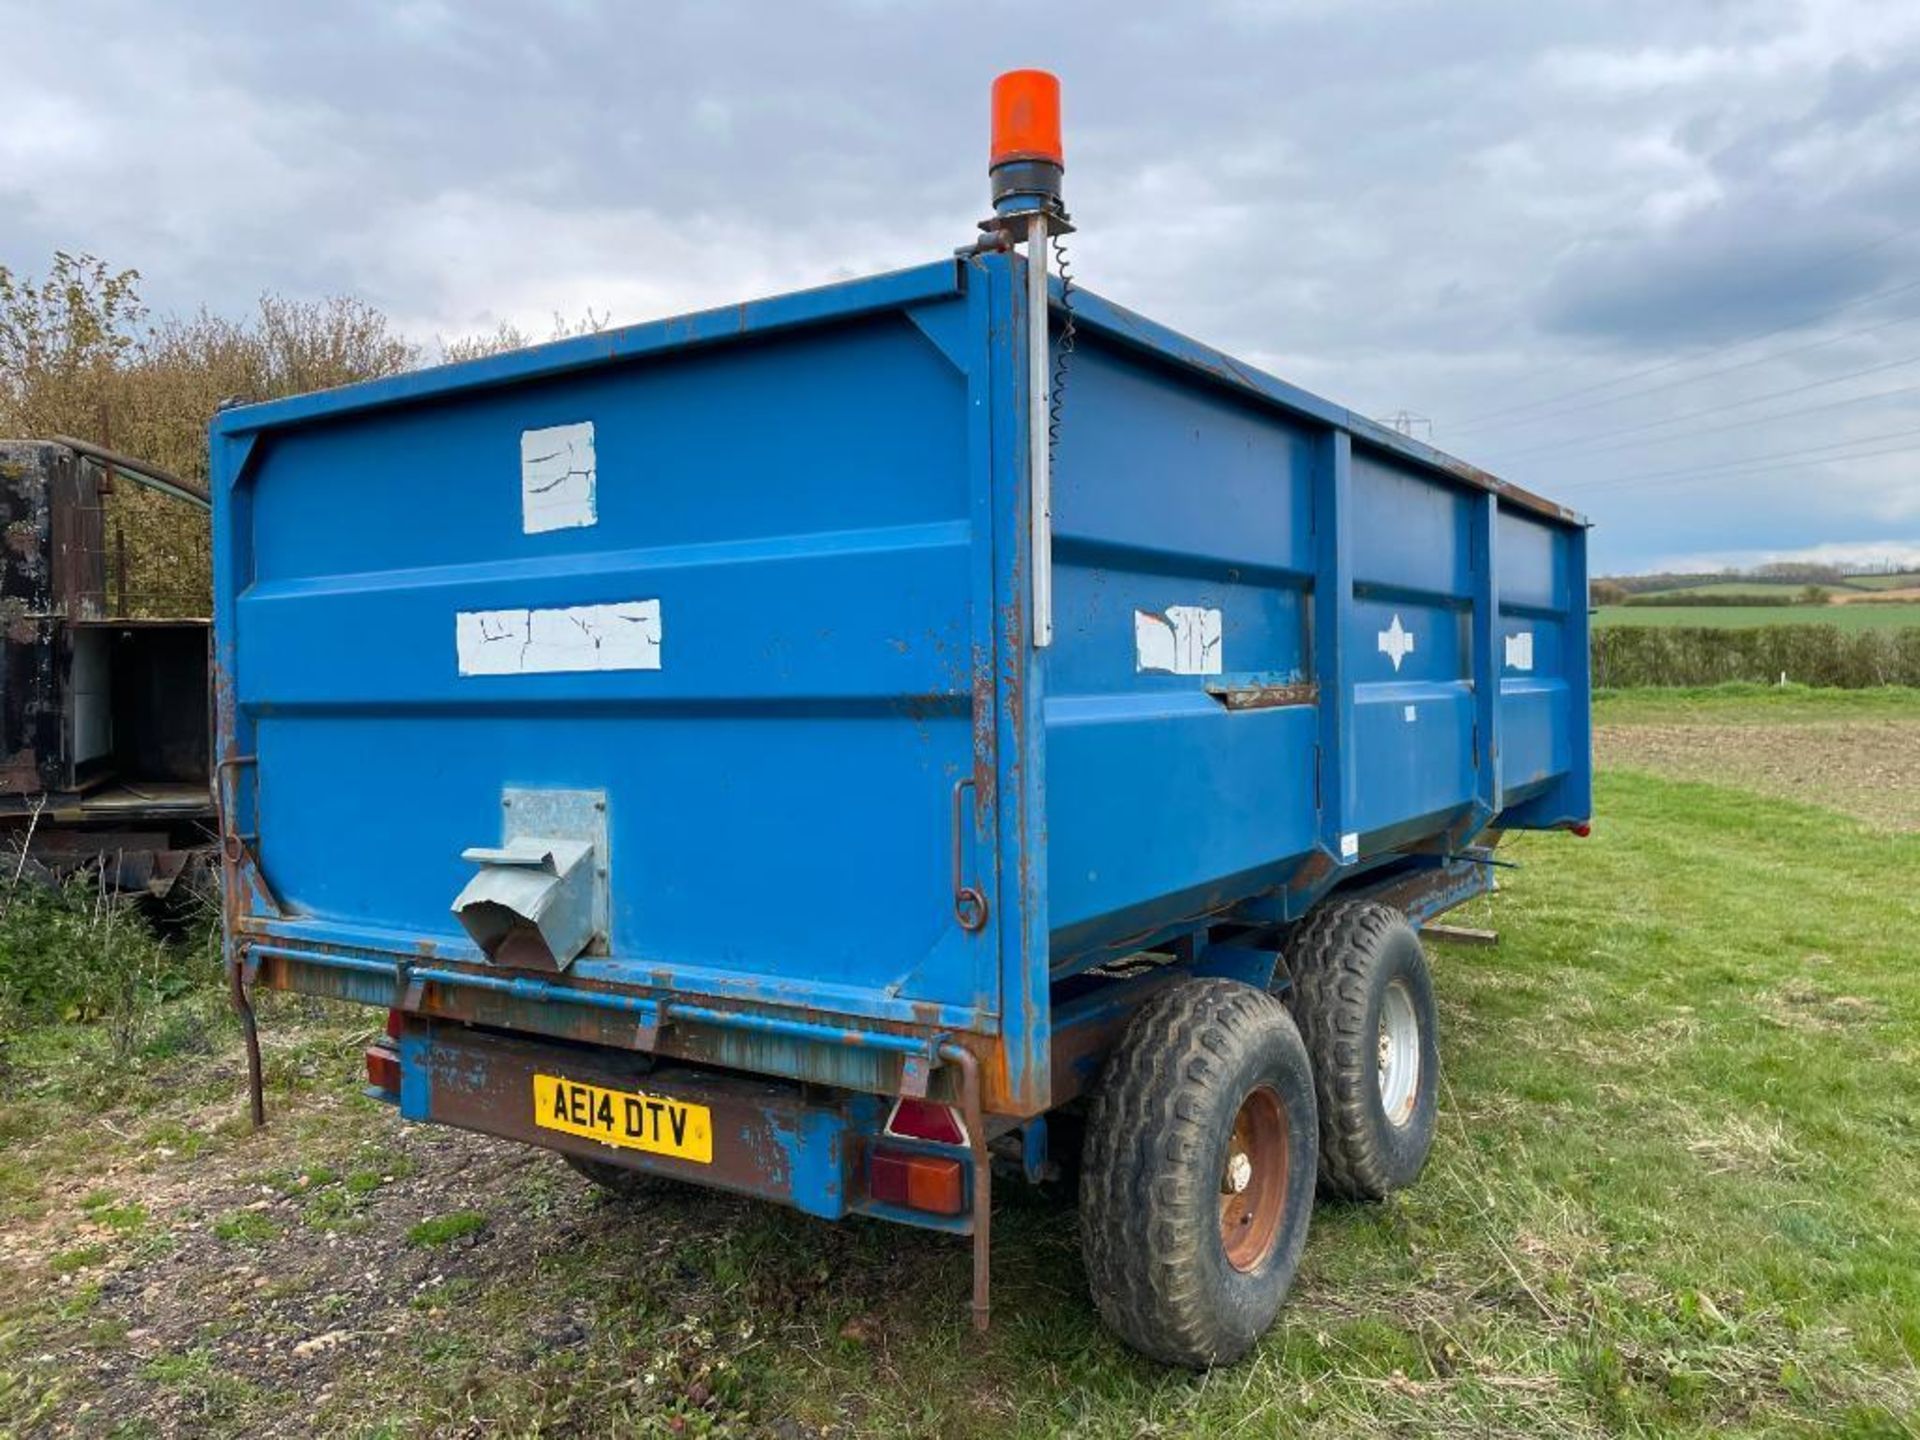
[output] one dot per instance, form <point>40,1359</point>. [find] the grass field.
<point>1891,615</point>
<point>1676,1191</point>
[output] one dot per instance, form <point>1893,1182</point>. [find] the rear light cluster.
<point>910,1179</point>
<point>914,1182</point>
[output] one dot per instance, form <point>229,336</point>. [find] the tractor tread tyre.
<point>1156,1149</point>
<point>1341,959</point>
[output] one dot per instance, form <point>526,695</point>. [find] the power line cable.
<point>1731,345</point>
<point>1696,479</point>
<point>1711,410</point>
<point>1765,461</point>
<point>1744,424</point>
<point>1767,457</point>
<point>1763,359</point>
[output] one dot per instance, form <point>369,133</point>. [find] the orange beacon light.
<point>1026,118</point>
<point>1027,160</point>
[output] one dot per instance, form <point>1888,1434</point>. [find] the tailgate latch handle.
<point>969,905</point>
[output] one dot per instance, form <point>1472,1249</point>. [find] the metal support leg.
<point>250,1031</point>
<point>982,1180</point>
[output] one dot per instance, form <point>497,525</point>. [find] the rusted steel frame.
<point>145,471</point>
<point>645,1009</point>
<point>1425,891</point>
<point>844,1067</point>
<point>484,1084</point>
<point>976,1119</point>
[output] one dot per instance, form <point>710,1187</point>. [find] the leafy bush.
<point>83,955</point>
<point>1712,597</point>
<point>1631,655</point>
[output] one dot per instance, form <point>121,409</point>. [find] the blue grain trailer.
<point>747,749</point>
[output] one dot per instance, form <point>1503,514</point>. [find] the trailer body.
<point>103,713</point>
<point>709,640</point>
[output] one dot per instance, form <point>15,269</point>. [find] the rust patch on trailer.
<point>1265,697</point>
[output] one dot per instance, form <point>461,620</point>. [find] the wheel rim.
<point>1399,1054</point>
<point>1253,1180</point>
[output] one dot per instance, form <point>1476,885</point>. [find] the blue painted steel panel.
<point>1278,627</point>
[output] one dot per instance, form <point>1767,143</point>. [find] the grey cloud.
<point>1452,207</point>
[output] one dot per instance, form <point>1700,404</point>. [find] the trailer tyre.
<point>616,1180</point>
<point>1364,1002</point>
<point>1197,1178</point>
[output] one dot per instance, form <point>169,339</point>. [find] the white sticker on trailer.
<point>621,636</point>
<point>1396,642</point>
<point>557,478</point>
<point>1520,650</point>
<point>1183,640</point>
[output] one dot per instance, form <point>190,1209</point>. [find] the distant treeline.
<point>1805,654</point>
<point>1781,572</point>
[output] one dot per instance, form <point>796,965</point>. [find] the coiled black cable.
<point>1063,355</point>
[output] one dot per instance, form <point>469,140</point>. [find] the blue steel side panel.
<point>1545,700</point>
<point>1335,552</point>
<point>1408,650</point>
<point>1169,494</point>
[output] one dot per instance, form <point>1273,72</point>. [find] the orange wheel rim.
<point>1253,1180</point>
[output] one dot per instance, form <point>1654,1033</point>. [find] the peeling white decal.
<point>1183,641</point>
<point>1396,642</point>
<point>1520,650</point>
<point>557,478</point>
<point>623,636</point>
<point>1349,846</point>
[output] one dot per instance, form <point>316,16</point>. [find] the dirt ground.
<point>1866,768</point>
<point>1858,597</point>
<point>263,1285</point>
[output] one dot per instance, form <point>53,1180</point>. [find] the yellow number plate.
<point>625,1118</point>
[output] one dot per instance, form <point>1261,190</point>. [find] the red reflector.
<point>916,1182</point>
<point>924,1120</point>
<point>396,1021</point>
<point>1583,829</point>
<point>383,1068</point>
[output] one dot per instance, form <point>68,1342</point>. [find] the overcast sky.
<point>1476,212</point>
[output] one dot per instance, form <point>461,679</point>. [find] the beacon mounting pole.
<point>1026,167</point>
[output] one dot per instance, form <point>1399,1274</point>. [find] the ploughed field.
<point>1676,1190</point>
<point>1858,612</point>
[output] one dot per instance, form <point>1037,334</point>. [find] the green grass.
<point>1676,1192</point>
<point>246,1227</point>
<point>1905,580</point>
<point>443,1229</point>
<point>1892,615</point>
